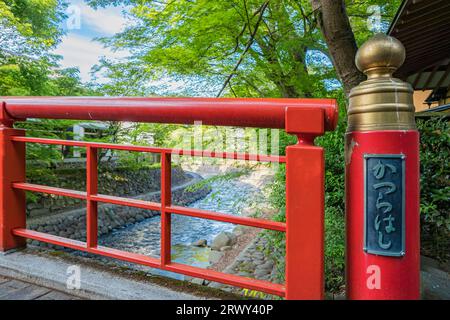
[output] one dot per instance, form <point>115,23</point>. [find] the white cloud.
<point>82,52</point>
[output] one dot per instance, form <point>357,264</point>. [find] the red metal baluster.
<point>304,222</point>
<point>305,184</point>
<point>91,205</point>
<point>166,199</point>
<point>12,201</point>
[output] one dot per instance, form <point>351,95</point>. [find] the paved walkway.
<point>12,289</point>
<point>27,276</point>
<point>435,280</point>
<point>52,272</point>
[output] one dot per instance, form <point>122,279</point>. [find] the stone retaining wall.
<point>72,224</point>
<point>112,180</point>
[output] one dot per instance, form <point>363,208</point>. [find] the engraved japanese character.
<point>384,204</point>
<point>391,186</point>
<point>390,227</point>
<point>381,243</point>
<point>380,168</point>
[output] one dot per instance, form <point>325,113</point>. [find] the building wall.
<point>419,100</point>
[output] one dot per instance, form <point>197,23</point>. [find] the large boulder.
<point>220,241</point>
<point>223,239</point>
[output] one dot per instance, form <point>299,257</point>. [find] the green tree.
<point>241,48</point>
<point>344,26</point>
<point>30,29</point>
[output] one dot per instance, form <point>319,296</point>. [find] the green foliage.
<point>435,186</point>
<point>46,128</point>
<point>334,249</point>
<point>160,133</point>
<point>29,30</point>
<point>30,26</point>
<point>277,195</point>
<point>363,12</point>
<point>251,48</point>
<point>227,176</point>
<point>67,82</point>
<point>22,77</point>
<point>137,160</point>
<point>333,144</point>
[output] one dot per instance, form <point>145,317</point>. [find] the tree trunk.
<point>338,35</point>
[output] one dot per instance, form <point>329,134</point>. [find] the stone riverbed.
<point>229,196</point>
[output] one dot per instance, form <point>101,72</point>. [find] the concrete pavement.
<point>54,273</point>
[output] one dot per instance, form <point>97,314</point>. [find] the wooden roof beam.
<point>444,76</point>
<point>432,73</point>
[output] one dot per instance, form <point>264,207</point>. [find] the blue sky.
<point>78,48</point>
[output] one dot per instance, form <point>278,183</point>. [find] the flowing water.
<point>226,196</point>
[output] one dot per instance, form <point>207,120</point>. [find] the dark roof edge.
<point>397,16</point>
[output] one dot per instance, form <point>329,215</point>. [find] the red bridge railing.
<point>304,227</point>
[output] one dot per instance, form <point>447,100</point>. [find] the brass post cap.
<point>381,102</point>
<point>380,56</point>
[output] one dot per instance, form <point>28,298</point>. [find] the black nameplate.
<point>384,207</point>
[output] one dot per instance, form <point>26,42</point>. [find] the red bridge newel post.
<point>382,179</point>
<point>12,169</point>
<point>305,206</point>
<point>166,199</point>
<point>91,189</point>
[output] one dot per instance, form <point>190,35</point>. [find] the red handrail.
<point>255,112</point>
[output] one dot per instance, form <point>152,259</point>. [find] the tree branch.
<point>247,47</point>
<point>338,34</point>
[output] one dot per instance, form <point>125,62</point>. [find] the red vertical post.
<point>91,205</point>
<point>378,276</point>
<point>166,199</point>
<point>304,207</point>
<point>12,201</point>
<point>382,179</point>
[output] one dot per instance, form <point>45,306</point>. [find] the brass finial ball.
<point>380,56</point>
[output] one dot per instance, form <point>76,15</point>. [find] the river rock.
<point>269,211</point>
<point>259,273</point>
<point>266,266</point>
<point>198,281</point>
<point>233,237</point>
<point>249,211</point>
<point>200,243</point>
<point>215,256</point>
<point>239,230</point>
<point>222,240</point>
